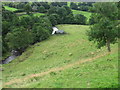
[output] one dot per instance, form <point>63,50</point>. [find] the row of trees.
<point>44,6</point>
<point>60,15</point>
<point>19,33</point>
<point>83,6</point>
<point>64,15</point>
<point>34,6</point>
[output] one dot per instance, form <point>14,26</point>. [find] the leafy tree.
<point>69,19</point>
<point>73,6</point>
<point>52,10</point>
<point>46,5</point>
<point>62,12</point>
<point>53,19</point>
<point>41,9</point>
<point>19,38</point>
<point>7,15</point>
<point>5,27</point>
<point>80,19</point>
<point>39,33</point>
<point>105,31</point>
<point>27,8</point>
<point>69,11</point>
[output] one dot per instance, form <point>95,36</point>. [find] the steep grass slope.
<point>56,63</point>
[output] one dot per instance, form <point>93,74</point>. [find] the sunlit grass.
<point>59,51</point>
<point>10,8</point>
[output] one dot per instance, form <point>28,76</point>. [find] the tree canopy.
<point>104,31</point>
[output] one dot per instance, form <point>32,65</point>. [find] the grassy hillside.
<point>10,8</point>
<point>68,60</point>
<point>86,14</point>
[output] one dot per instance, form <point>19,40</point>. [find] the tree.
<point>73,6</point>
<point>39,33</point>
<point>27,8</point>
<point>41,9</point>
<point>104,31</point>
<point>54,19</point>
<point>19,38</point>
<point>69,19</point>
<point>5,27</point>
<point>69,11</point>
<point>80,19</point>
<point>62,12</point>
<point>52,10</point>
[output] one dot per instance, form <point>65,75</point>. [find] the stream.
<point>14,54</point>
<point>9,59</point>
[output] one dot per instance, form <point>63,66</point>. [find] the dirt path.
<point>52,70</point>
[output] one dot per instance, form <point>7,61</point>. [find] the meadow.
<point>64,61</point>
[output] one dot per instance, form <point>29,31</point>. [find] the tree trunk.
<point>108,45</point>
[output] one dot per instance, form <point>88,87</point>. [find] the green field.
<point>64,61</point>
<point>10,8</point>
<point>86,14</point>
<point>34,14</point>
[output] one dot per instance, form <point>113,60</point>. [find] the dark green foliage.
<point>67,9</point>
<point>80,19</point>
<point>7,15</point>
<point>46,5</point>
<point>60,15</point>
<point>39,33</point>
<point>53,19</point>
<point>19,10</point>
<point>27,8</point>
<point>19,38</point>
<point>41,9</point>
<point>5,27</point>
<point>61,11</point>
<point>59,4</point>
<point>19,33</point>
<point>104,31</point>
<point>69,19</point>
<point>118,5</point>
<point>52,10</point>
<point>85,6</point>
<point>92,19</point>
<point>73,6</point>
